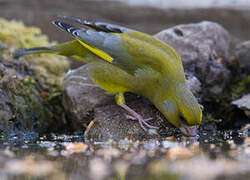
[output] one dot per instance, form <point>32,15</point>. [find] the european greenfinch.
<point>123,60</point>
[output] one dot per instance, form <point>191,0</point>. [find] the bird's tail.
<point>36,50</point>
<point>71,49</point>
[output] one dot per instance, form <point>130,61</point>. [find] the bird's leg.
<point>121,102</point>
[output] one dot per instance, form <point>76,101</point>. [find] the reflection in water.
<point>71,157</point>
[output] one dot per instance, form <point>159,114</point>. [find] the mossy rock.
<point>30,87</point>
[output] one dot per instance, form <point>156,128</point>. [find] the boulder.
<point>203,48</point>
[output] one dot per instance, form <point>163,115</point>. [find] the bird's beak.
<point>188,130</point>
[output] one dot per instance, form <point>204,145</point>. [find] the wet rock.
<point>203,48</point>
<point>242,56</point>
<point>244,104</point>
<point>85,101</point>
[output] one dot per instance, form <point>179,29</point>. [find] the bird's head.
<point>181,109</point>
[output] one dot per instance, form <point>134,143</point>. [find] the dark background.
<point>144,17</point>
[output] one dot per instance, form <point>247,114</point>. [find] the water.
<point>220,154</point>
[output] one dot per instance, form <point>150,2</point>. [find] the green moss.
<point>219,109</point>
<point>241,87</point>
<point>16,35</point>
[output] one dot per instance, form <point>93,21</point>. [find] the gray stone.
<point>242,55</point>
<point>81,95</point>
<point>203,48</point>
<point>244,104</point>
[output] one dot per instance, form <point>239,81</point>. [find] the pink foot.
<point>143,122</point>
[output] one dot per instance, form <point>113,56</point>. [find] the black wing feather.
<point>98,26</point>
<point>67,27</point>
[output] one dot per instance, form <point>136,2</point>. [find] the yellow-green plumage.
<point>123,60</point>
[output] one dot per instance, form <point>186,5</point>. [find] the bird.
<point>122,60</point>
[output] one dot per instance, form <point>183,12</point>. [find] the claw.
<point>148,125</point>
<point>130,117</point>
<point>148,119</point>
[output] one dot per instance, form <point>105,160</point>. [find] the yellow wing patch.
<point>97,52</point>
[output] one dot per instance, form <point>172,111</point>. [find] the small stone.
<point>244,104</point>
<point>178,152</point>
<point>71,148</point>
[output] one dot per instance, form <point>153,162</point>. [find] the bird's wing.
<point>128,49</point>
